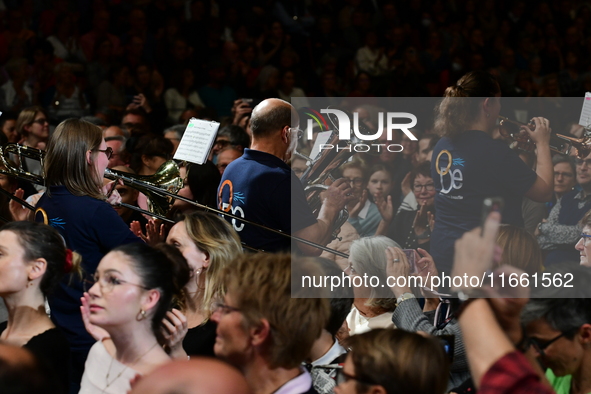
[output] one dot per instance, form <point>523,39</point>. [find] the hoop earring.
<point>141,315</point>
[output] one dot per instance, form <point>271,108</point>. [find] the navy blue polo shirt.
<point>260,187</point>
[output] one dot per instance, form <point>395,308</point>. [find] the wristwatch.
<point>405,296</point>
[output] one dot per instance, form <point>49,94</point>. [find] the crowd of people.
<point>102,298</point>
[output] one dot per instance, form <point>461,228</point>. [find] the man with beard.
<point>261,187</point>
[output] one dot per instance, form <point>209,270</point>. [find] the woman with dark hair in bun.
<point>33,259</point>
<point>468,165</point>
<point>133,288</point>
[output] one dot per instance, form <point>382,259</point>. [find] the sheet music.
<point>197,141</point>
<point>585,119</point>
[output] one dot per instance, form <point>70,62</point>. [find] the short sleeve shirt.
<point>465,172</point>
<point>260,187</point>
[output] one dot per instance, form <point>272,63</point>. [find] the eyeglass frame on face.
<point>224,309</point>
<point>541,348</point>
<point>299,131</point>
<point>585,237</point>
<point>419,188</point>
<point>108,152</point>
<point>355,181</point>
<point>109,286</point>
<point>41,121</point>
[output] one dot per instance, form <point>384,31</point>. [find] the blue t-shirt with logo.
<point>260,187</point>
<point>465,172</point>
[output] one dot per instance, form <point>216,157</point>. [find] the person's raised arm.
<point>543,188</point>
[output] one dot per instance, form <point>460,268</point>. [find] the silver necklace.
<point>124,369</point>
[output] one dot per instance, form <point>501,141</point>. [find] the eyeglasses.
<point>541,345</point>
<point>41,121</point>
<point>223,308</point>
<point>222,143</point>
<point>585,237</point>
<point>580,162</point>
<point>428,187</point>
<point>355,181</point>
<point>108,282</point>
<point>108,152</point>
<point>299,131</point>
<point>344,377</point>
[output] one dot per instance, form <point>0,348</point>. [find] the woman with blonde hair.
<point>209,244</point>
<point>75,204</point>
<point>520,249</point>
<point>32,125</point>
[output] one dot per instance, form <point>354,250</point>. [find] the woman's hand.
<point>155,233</point>
<point>385,208</point>
<point>541,134</point>
<point>19,212</point>
<point>113,196</point>
<point>174,329</point>
<point>426,269</point>
<point>95,331</point>
<point>397,266</point>
<point>359,206</point>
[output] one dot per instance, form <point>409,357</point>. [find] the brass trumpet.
<point>558,143</point>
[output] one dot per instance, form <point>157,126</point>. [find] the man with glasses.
<point>561,232</point>
<point>260,186</point>
<point>559,331</point>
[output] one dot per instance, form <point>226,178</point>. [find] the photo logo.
<point>344,128</point>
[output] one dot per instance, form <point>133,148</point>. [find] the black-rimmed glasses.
<point>108,152</point>
<point>541,345</point>
<point>428,187</point>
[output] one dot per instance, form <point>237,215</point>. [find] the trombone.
<point>160,188</point>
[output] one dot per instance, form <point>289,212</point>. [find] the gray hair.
<point>118,138</point>
<point>557,159</point>
<point>368,256</point>
<point>178,129</point>
<point>565,309</point>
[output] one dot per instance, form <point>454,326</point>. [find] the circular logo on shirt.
<point>440,171</point>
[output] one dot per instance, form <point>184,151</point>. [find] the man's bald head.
<point>271,116</point>
<point>199,375</point>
